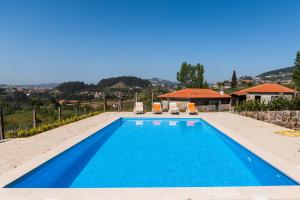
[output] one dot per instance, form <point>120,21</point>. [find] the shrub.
<point>296,103</point>
<point>280,103</point>
<point>251,106</point>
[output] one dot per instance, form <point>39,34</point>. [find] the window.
<point>257,98</point>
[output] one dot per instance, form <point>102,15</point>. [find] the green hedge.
<point>49,126</point>
<point>280,103</point>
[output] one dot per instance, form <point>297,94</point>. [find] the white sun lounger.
<point>138,108</point>
<point>173,109</point>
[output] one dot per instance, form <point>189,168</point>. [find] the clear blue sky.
<point>62,40</point>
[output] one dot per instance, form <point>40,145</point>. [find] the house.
<point>68,102</point>
<point>205,99</point>
<point>263,93</point>
<point>227,84</point>
<point>215,86</point>
<point>245,80</point>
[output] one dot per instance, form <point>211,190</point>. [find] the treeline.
<point>127,85</point>
<point>74,86</point>
<point>127,81</point>
<point>19,100</point>
<point>76,90</point>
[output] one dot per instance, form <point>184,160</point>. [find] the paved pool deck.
<point>18,156</point>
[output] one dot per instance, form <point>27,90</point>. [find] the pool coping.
<point>286,168</point>
<point>216,192</point>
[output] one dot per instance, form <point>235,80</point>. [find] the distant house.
<point>227,84</point>
<point>245,80</point>
<point>263,93</point>
<point>68,102</point>
<point>215,86</point>
<point>97,94</point>
<point>205,99</point>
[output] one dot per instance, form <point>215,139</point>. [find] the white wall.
<point>266,97</point>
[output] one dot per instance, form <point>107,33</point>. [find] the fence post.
<point>2,136</point>
<point>84,110</point>
<point>104,102</point>
<point>136,97</point>
<point>152,98</point>
<point>120,104</point>
<point>59,113</point>
<point>120,101</point>
<point>34,118</point>
<point>76,111</point>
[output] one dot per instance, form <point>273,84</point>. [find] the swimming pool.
<point>154,152</point>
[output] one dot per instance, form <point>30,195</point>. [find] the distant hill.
<point>162,83</point>
<point>277,71</point>
<point>34,86</point>
<point>282,75</point>
<point>44,85</point>
<point>72,87</point>
<point>124,82</point>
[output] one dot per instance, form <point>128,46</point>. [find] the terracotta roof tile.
<point>265,88</point>
<point>194,93</point>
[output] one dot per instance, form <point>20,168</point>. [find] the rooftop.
<point>194,93</point>
<point>265,88</point>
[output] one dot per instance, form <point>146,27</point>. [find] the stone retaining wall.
<point>288,119</point>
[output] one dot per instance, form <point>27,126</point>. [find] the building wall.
<point>213,101</point>
<point>267,97</point>
<point>202,104</point>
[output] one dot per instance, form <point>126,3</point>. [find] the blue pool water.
<point>154,153</point>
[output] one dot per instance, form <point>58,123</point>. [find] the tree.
<point>296,75</point>
<point>197,76</point>
<point>183,76</point>
<point>191,76</point>
<point>2,91</point>
<point>233,80</point>
<point>71,87</point>
<point>127,81</point>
